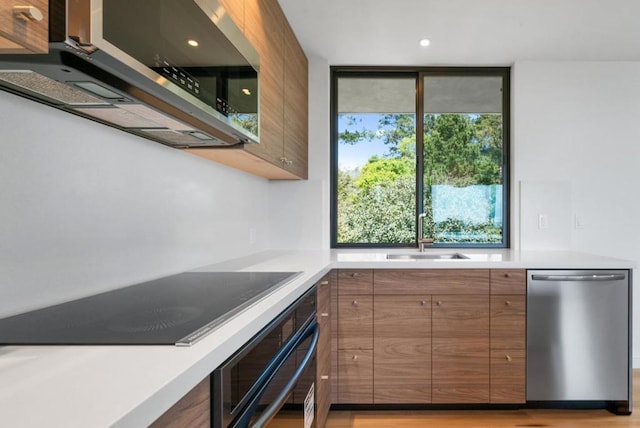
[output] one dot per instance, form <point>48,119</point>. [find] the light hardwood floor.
<point>489,418</point>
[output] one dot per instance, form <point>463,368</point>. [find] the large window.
<point>432,141</point>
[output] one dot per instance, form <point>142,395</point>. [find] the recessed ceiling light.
<point>425,42</point>
<point>192,42</point>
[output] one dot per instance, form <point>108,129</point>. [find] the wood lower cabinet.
<point>324,375</point>
<point>355,336</point>
<point>461,349</point>
<point>24,30</point>
<point>430,336</point>
<point>355,373</point>
<point>402,349</point>
<point>508,336</point>
<point>193,410</point>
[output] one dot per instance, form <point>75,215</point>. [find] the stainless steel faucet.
<point>422,241</point>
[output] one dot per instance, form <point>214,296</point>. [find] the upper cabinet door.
<point>235,9</point>
<point>24,26</point>
<point>264,23</point>
<point>296,105</point>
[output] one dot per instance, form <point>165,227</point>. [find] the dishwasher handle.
<point>589,278</point>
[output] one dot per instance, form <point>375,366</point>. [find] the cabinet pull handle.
<point>354,303</point>
<point>324,314</point>
<point>355,358</point>
<point>423,303</point>
<point>324,377</point>
<point>286,161</point>
<point>507,275</point>
<point>508,358</point>
<point>324,282</point>
<point>439,303</point>
<point>27,13</point>
<point>507,302</point>
<point>355,275</point>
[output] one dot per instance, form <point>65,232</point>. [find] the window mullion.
<point>419,148</point>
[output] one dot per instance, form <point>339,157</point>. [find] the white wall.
<point>300,209</point>
<point>577,122</point>
<point>85,208</point>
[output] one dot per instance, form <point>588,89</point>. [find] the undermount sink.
<point>426,256</point>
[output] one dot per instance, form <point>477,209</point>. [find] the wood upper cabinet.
<point>460,348</point>
<point>283,85</point>
<point>264,27</point>
<point>235,9</point>
<point>402,349</point>
<point>24,30</point>
<point>324,374</point>
<point>296,109</point>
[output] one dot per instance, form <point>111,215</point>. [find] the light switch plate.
<point>543,221</point>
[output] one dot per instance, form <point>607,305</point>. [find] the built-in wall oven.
<point>271,379</point>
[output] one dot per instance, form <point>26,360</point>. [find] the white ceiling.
<point>465,32</point>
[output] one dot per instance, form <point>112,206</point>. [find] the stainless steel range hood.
<point>175,71</point>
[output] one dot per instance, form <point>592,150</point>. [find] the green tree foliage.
<point>376,203</point>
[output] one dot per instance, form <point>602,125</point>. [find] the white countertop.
<point>131,386</point>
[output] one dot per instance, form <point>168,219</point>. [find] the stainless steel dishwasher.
<point>578,338</point>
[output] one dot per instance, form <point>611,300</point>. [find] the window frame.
<point>419,73</point>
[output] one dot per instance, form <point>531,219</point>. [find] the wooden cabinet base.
<point>193,410</point>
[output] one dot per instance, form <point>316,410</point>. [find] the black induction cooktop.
<point>176,310</point>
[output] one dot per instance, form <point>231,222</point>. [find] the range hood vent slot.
<point>48,89</point>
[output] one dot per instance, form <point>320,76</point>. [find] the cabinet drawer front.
<point>355,371</point>
<point>355,281</point>
<point>19,36</point>
<point>508,321</point>
<point>508,366</point>
<point>431,281</point>
<point>355,322</point>
<point>508,281</point>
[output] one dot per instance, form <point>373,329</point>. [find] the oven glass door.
<point>271,378</point>
<point>181,45</point>
<point>287,397</point>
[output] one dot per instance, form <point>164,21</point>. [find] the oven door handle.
<point>243,419</point>
<point>279,401</point>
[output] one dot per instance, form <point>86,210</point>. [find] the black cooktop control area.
<point>176,310</point>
